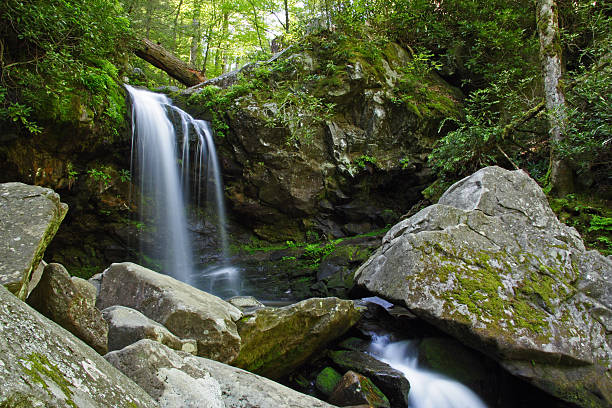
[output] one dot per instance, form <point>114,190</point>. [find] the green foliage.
<point>101,176</point>
<point>364,161</point>
<point>592,218</point>
<point>55,59</point>
<point>125,175</point>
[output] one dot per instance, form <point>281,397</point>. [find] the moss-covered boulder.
<point>491,265</point>
<point>391,381</point>
<point>317,139</point>
<point>327,380</point>
<point>42,364</point>
<point>355,389</point>
<point>275,341</point>
<point>71,303</point>
<point>29,218</point>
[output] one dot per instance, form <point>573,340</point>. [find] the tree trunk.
<point>561,175</point>
<point>286,16</point>
<point>168,62</point>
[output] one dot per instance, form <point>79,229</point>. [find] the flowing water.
<point>427,389</point>
<point>175,159</point>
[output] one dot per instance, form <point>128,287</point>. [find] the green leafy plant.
<point>125,175</point>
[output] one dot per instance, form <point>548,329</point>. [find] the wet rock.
<point>491,265</point>
<point>186,311</point>
<point>327,380</point>
<point>42,364</point>
<point>126,326</point>
<point>176,378</point>
<point>71,303</point>
<point>275,341</point>
<point>389,380</point>
<point>29,218</point>
<point>449,357</point>
<point>355,389</point>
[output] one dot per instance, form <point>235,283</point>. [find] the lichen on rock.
<point>491,265</point>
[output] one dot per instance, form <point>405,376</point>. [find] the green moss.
<point>327,380</point>
<point>478,286</point>
<point>38,368</point>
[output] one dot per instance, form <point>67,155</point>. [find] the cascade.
<point>174,158</point>
<point>427,389</point>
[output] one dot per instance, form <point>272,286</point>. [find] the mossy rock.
<point>327,380</point>
<point>449,357</point>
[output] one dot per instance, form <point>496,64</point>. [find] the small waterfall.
<point>427,389</point>
<point>164,155</point>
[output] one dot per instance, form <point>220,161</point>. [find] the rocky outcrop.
<point>355,389</point>
<point>186,311</point>
<point>275,341</point>
<point>391,381</point>
<point>491,265</point>
<point>328,128</point>
<point>29,218</point>
<point>42,364</point>
<point>126,326</point>
<point>176,378</point>
<point>71,303</point>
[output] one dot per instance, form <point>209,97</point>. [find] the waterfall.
<point>427,389</point>
<point>175,159</point>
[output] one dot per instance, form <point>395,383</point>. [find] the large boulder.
<point>29,218</point>
<point>275,341</point>
<point>491,265</point>
<point>71,303</point>
<point>126,326</point>
<point>175,378</point>
<point>42,364</point>
<point>186,311</point>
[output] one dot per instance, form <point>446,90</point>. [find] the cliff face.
<point>328,139</point>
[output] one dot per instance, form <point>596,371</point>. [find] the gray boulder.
<point>29,218</point>
<point>275,341</point>
<point>42,364</point>
<point>126,326</point>
<point>71,303</point>
<point>491,265</point>
<point>175,378</point>
<point>186,311</point>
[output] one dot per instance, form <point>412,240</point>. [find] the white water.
<point>167,185</point>
<point>427,389</point>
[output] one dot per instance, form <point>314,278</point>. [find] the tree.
<point>561,175</point>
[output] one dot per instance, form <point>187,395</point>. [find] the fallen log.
<point>163,59</point>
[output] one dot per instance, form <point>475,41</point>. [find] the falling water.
<point>427,389</point>
<point>167,183</point>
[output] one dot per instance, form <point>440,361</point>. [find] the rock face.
<point>491,265</point>
<point>176,378</point>
<point>389,380</point>
<point>275,341</point>
<point>71,303</point>
<point>186,311</point>
<point>319,159</point>
<point>41,364</point>
<point>126,326</point>
<point>29,218</point>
